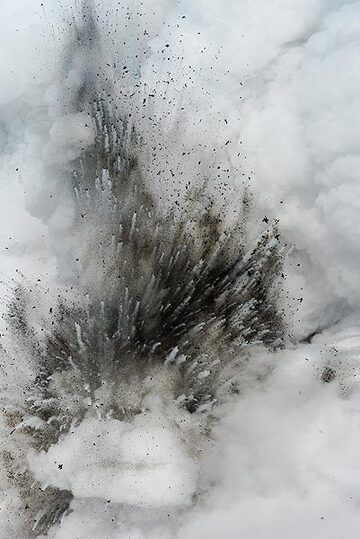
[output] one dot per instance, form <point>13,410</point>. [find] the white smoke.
<point>284,457</point>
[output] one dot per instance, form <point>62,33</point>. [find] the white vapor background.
<point>284,459</point>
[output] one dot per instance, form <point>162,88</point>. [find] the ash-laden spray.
<point>160,301</point>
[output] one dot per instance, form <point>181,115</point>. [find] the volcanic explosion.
<point>179,359</point>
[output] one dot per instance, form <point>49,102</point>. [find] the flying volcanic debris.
<point>160,310</point>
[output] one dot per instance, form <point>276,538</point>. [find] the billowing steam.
<point>156,378</point>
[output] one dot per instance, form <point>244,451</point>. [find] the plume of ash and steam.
<point>160,375</point>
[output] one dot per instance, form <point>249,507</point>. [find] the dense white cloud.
<point>141,463</point>
<point>301,134</point>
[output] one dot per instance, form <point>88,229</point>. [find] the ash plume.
<point>173,295</point>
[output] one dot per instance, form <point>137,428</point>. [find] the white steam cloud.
<point>273,88</point>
